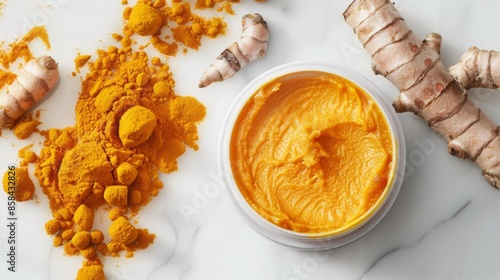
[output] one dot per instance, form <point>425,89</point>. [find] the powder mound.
<point>122,231</point>
<point>136,126</point>
<point>17,183</point>
<point>126,173</point>
<point>84,217</point>
<point>24,129</point>
<point>116,195</point>
<point>81,168</point>
<point>94,272</point>
<point>144,20</point>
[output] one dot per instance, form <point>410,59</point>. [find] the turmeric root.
<point>426,88</point>
<point>252,45</point>
<point>477,68</point>
<point>34,80</point>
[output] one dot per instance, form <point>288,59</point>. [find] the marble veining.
<point>401,250</point>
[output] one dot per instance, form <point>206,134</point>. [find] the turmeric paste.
<point>311,152</point>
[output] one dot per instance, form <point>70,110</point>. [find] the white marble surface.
<point>443,225</point>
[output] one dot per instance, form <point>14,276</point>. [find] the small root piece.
<point>477,68</point>
<point>33,82</point>
<point>251,46</point>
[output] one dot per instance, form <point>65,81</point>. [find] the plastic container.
<point>306,240</point>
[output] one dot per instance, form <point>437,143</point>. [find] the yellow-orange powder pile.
<point>125,133</point>
<point>220,5</point>
<point>20,49</point>
<point>130,126</point>
<point>186,27</point>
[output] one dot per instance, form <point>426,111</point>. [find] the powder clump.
<point>144,19</point>
<point>122,231</point>
<point>94,272</point>
<point>18,184</point>
<point>136,126</point>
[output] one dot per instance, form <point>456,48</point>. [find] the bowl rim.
<point>290,238</point>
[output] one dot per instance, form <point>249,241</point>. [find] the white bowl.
<point>307,240</point>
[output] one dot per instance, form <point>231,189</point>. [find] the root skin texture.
<point>251,46</point>
<point>33,82</point>
<point>478,68</point>
<point>426,88</point>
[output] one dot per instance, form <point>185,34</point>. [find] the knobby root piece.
<point>252,45</point>
<point>477,68</point>
<point>426,88</point>
<point>33,82</point>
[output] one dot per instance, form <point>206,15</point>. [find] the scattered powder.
<point>80,61</point>
<point>187,28</point>
<point>19,49</point>
<point>23,188</point>
<point>2,6</point>
<point>130,126</point>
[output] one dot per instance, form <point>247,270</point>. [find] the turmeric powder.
<point>122,231</point>
<point>6,77</point>
<point>81,239</point>
<point>80,61</point>
<point>96,237</point>
<point>23,130</point>
<point>126,173</point>
<point>94,272</point>
<point>20,48</point>
<point>144,19</point>
<point>147,18</point>
<point>116,195</point>
<point>223,5</point>
<point>17,183</point>
<point>89,252</point>
<point>136,126</point>
<point>130,126</point>
<point>27,155</point>
<point>2,4</point>
<point>52,227</point>
<point>84,217</point>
